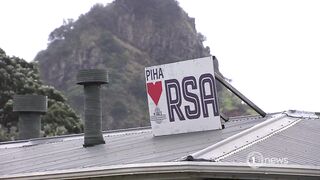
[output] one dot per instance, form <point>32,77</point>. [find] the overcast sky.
<point>270,49</point>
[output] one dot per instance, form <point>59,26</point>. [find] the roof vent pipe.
<point>91,79</point>
<point>30,109</point>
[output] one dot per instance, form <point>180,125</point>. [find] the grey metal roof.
<point>286,138</point>
<point>291,135</point>
<point>122,147</point>
<point>300,144</point>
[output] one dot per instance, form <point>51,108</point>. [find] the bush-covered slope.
<point>20,77</point>
<point>123,37</point>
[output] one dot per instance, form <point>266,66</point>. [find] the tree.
<point>62,31</point>
<point>232,106</point>
<point>20,77</point>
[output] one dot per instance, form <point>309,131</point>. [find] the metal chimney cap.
<point>30,103</point>
<point>92,76</point>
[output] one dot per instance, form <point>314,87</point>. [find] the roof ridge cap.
<point>246,138</point>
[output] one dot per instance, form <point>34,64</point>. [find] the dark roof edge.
<point>167,170</point>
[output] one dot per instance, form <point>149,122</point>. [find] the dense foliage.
<point>20,77</point>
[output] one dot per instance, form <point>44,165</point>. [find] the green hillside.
<point>124,37</point>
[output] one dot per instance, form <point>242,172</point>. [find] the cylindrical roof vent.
<point>30,109</point>
<point>92,79</point>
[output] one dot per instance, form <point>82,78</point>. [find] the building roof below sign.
<point>298,142</point>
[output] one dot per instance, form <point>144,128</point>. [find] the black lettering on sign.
<point>173,104</point>
<point>208,96</point>
<point>207,99</point>
<point>191,97</point>
<point>154,74</point>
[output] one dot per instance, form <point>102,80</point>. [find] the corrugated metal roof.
<point>245,138</point>
<point>299,144</point>
<point>291,137</point>
<point>122,147</point>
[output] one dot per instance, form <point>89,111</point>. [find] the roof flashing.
<point>246,138</point>
<point>301,114</point>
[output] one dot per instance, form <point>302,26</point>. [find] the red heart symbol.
<point>155,90</point>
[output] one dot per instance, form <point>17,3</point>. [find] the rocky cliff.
<point>124,37</point>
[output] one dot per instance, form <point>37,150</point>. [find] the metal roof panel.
<point>300,144</point>
<point>122,147</point>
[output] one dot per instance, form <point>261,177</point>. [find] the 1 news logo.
<point>256,160</point>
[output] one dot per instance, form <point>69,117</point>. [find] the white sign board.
<point>182,97</point>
